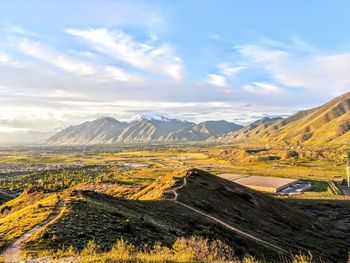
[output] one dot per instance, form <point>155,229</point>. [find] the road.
<point>234,229</point>
<point>13,253</point>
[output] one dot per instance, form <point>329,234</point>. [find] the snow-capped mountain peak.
<point>154,117</point>
<point>151,117</point>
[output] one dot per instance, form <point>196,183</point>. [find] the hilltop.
<point>328,124</point>
<point>142,220</point>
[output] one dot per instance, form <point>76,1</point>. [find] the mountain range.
<point>326,124</point>
<point>146,128</point>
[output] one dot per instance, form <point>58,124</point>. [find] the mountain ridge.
<point>145,128</point>
<point>325,124</point>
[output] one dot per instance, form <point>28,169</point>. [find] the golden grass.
<point>193,249</point>
<point>156,189</point>
<point>183,250</point>
<point>27,211</point>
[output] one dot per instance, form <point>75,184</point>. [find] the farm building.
<point>260,183</point>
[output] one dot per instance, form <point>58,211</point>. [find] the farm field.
<point>136,169</point>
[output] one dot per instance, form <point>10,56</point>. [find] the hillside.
<point>106,219</point>
<point>204,130</point>
<point>103,129</point>
<point>147,128</point>
<point>327,124</point>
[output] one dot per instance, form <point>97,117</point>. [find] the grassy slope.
<point>23,213</point>
<point>106,219</point>
<point>327,124</point>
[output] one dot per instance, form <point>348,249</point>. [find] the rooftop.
<point>262,183</point>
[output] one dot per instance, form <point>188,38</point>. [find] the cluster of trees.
<point>52,180</point>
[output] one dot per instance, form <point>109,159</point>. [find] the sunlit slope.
<point>327,124</point>
<point>21,214</point>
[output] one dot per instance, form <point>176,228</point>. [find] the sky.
<point>65,62</point>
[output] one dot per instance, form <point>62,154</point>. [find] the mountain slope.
<point>245,132</point>
<point>148,221</point>
<point>100,130</point>
<point>204,130</point>
<point>147,128</point>
<point>327,124</point>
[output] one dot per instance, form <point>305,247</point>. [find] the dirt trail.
<point>263,242</point>
<point>13,253</point>
<point>7,194</point>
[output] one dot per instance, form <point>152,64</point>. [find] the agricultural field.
<point>136,169</point>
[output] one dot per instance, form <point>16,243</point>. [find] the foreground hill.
<point>106,219</point>
<point>148,128</point>
<point>327,124</point>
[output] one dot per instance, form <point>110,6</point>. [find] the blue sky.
<point>64,62</point>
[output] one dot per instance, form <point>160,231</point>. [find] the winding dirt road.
<point>234,229</point>
<point>13,253</point>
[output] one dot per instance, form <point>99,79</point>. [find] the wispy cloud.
<point>55,58</point>
<point>65,62</point>
<point>228,70</point>
<point>159,59</point>
<point>310,70</point>
<point>261,88</point>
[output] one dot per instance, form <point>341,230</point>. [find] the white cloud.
<point>217,80</point>
<point>261,88</point>
<point>18,30</point>
<point>33,117</point>
<point>75,66</point>
<point>111,72</point>
<point>4,58</point>
<point>159,59</point>
<point>53,57</point>
<point>229,70</point>
<point>311,70</point>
